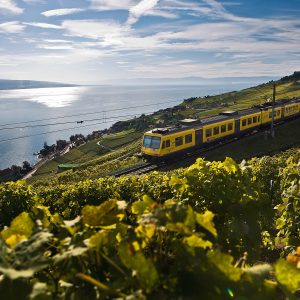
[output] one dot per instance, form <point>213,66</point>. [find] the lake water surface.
<point>98,104</point>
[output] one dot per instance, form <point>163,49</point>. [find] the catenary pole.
<point>273,111</point>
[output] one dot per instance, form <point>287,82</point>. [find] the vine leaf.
<point>230,165</point>
<point>107,213</point>
<point>288,275</point>
<point>206,221</point>
<point>223,262</point>
<point>20,229</point>
<point>139,207</point>
<point>195,241</point>
<point>133,259</point>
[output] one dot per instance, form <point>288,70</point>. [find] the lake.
<point>97,105</point>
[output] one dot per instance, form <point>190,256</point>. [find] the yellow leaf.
<point>195,241</point>
<point>20,229</point>
<point>14,239</point>
<point>230,165</point>
<point>206,221</point>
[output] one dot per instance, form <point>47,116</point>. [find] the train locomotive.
<point>191,134</point>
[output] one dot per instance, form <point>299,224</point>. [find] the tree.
<point>26,167</point>
<point>61,144</point>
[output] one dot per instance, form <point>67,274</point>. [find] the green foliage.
<point>288,275</point>
<point>215,230</point>
<point>14,199</point>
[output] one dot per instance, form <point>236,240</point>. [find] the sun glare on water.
<point>50,97</point>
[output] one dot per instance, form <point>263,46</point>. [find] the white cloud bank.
<point>11,27</point>
<point>113,4</point>
<point>10,7</point>
<point>43,25</point>
<point>62,12</point>
<point>140,9</point>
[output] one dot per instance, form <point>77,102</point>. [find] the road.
<point>45,160</point>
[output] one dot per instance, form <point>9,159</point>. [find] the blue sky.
<point>91,41</point>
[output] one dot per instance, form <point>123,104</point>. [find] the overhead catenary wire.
<point>89,113</point>
<point>67,122</point>
<point>65,129</point>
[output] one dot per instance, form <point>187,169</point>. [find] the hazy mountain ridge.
<point>7,84</point>
<point>192,80</point>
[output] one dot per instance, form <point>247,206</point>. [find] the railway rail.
<point>137,170</point>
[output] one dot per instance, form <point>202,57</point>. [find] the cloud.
<point>140,9</point>
<point>213,41</point>
<point>56,47</point>
<point>11,27</point>
<point>211,8</point>
<point>62,12</point>
<point>161,13</point>
<point>109,32</point>
<point>58,41</point>
<point>43,25</point>
<point>34,1</point>
<point>212,69</point>
<point>113,4</point>
<point>10,7</point>
<point>136,8</point>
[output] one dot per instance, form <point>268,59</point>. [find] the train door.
<point>237,126</point>
<point>198,137</point>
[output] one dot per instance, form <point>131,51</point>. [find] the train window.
<point>249,121</point>
<point>255,119</point>
<point>216,130</point>
<point>258,119</point>
<point>163,145</point>
<point>244,123</point>
<point>270,115</point>
<point>278,113</point>
<point>223,128</point>
<point>208,132</point>
<point>155,143</point>
<point>230,126</point>
<point>178,141</point>
<point>147,141</point>
<point>167,143</point>
<point>188,138</point>
<point>152,142</point>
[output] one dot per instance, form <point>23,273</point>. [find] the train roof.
<point>223,116</point>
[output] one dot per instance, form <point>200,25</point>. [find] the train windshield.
<point>152,142</point>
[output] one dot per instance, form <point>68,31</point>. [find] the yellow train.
<point>191,133</point>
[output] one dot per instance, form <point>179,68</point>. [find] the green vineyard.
<point>215,230</point>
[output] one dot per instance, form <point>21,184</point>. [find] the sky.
<point>94,41</point>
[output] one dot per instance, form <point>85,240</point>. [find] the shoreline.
<point>44,160</point>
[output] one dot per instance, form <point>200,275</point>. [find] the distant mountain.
<point>6,84</point>
<point>193,81</point>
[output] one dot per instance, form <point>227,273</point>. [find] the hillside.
<point>216,230</point>
<point>6,84</point>
<point>92,162</point>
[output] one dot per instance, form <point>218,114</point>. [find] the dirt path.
<point>43,161</point>
<point>104,147</point>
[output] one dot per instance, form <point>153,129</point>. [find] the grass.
<point>121,139</point>
<point>89,153</point>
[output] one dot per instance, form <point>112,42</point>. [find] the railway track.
<point>148,167</point>
<point>137,170</point>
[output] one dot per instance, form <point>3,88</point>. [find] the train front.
<point>151,144</point>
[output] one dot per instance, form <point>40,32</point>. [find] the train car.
<point>191,134</point>
<point>290,110</point>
